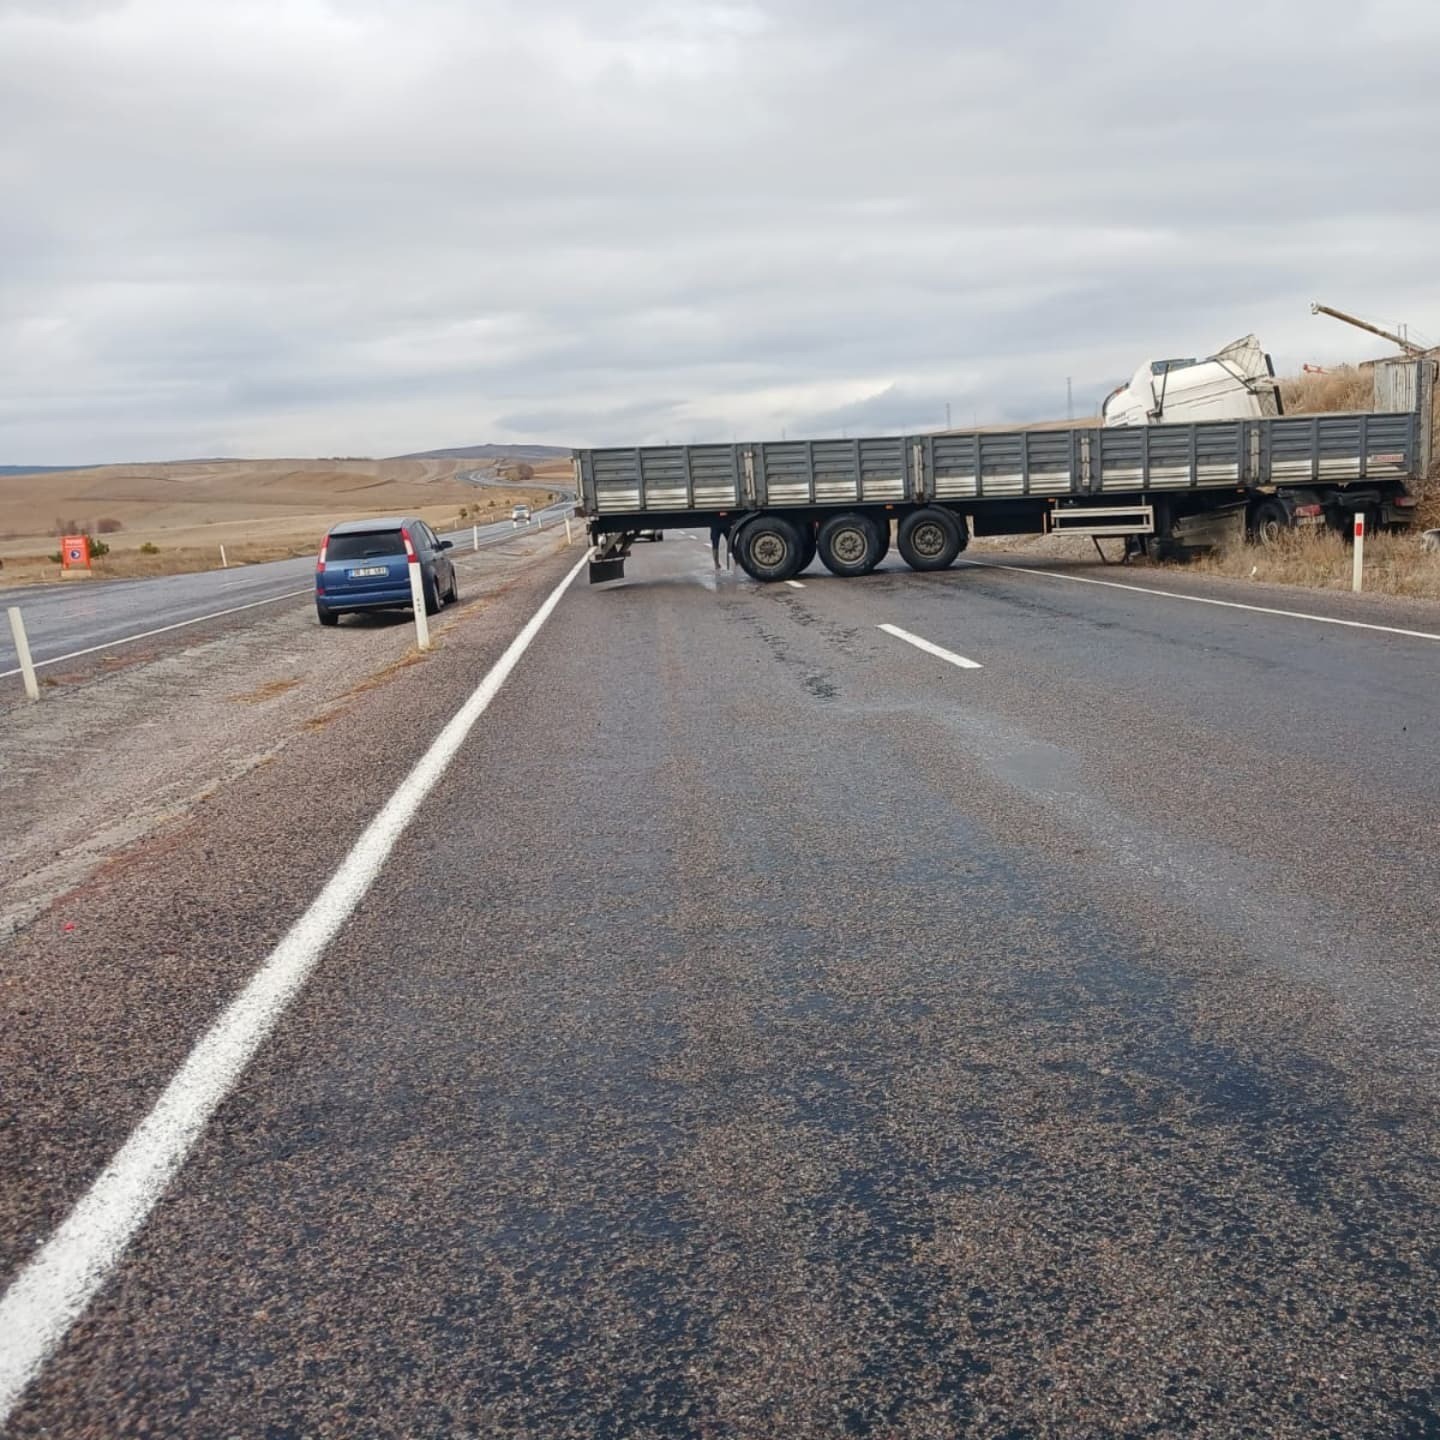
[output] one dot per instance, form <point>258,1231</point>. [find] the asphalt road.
<point>772,1027</point>
<point>69,616</point>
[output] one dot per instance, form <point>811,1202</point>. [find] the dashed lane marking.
<point>930,648</point>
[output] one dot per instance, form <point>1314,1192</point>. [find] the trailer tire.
<point>807,543</point>
<point>930,539</point>
<point>1268,521</point>
<point>769,548</point>
<point>849,544</point>
<point>883,526</point>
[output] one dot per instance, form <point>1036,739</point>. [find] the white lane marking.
<point>794,584</point>
<point>61,1279</point>
<point>163,629</point>
<point>929,648</point>
<point>1206,600</point>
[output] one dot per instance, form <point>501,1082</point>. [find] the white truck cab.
<point>1236,383</point>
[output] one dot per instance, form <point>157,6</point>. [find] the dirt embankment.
<point>169,519</point>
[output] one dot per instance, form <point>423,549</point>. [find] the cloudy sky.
<point>297,227</point>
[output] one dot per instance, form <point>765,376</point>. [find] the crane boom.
<point>1407,346</point>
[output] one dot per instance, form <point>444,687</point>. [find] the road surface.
<point>77,615</point>
<point>770,1025</point>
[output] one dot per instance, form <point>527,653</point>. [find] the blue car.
<point>364,565</point>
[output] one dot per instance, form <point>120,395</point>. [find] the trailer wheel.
<point>883,526</point>
<point>930,539</point>
<point>849,544</point>
<point>807,543</point>
<point>768,548</point>
<point>1268,522</point>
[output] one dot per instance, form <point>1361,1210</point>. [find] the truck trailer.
<point>1166,488</point>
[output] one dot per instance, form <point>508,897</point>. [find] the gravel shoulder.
<point>128,741</point>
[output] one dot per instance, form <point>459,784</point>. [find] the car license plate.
<point>369,570</point>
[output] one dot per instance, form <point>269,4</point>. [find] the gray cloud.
<point>290,226</point>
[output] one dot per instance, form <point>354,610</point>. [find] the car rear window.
<point>364,545</point>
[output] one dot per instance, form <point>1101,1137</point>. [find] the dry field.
<point>258,509</point>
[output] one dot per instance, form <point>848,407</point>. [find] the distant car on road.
<point>520,515</point>
<point>364,565</point>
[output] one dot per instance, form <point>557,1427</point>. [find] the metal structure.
<point>1163,487</point>
<point>1408,346</point>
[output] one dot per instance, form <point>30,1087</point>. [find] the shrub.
<point>108,526</point>
<point>148,549</point>
<point>1346,387</point>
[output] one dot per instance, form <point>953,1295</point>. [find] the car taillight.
<point>409,548</point>
<point>1405,500</point>
<point>1309,510</point>
<point>320,562</point>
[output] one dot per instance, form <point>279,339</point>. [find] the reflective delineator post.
<point>417,601</point>
<point>474,537</point>
<point>569,539</point>
<point>224,563</point>
<point>22,651</point>
<point>1359,550</point>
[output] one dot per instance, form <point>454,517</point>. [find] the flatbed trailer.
<point>1166,488</point>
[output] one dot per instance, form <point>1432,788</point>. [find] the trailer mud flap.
<point>603,570</point>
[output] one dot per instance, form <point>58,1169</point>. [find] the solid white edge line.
<point>162,630</point>
<point>1205,600</point>
<point>929,648</point>
<point>56,1285</point>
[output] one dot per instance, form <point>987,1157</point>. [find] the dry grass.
<point>154,501</point>
<point>1322,560</point>
<point>255,508</point>
<point>184,551</point>
<point>271,690</point>
<point>1343,388</point>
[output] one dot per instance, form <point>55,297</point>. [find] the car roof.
<point>381,522</point>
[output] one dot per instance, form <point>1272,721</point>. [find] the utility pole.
<point>1069,400</point>
<point>947,414</point>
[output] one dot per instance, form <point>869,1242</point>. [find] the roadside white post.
<point>224,563</point>
<point>569,539</point>
<point>22,649</point>
<point>417,598</point>
<point>474,537</point>
<point>1359,550</point>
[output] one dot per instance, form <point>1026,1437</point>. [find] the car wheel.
<point>429,589</point>
<point>326,617</point>
<point>454,588</point>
